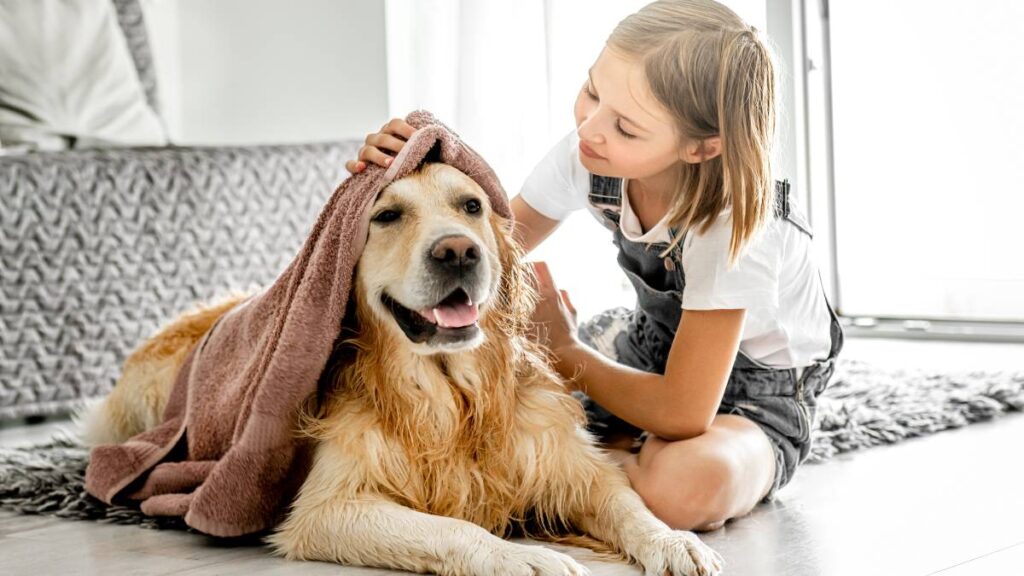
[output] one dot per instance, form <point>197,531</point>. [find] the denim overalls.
<point>782,402</point>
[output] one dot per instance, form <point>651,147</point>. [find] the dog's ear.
<point>517,297</point>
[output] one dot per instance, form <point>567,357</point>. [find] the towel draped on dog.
<point>226,456</point>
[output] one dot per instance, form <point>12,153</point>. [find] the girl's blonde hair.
<point>713,73</point>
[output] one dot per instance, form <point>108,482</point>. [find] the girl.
<point>732,338</point>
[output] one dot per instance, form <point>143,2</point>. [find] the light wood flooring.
<point>949,504</point>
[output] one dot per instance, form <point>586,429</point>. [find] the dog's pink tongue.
<point>456,315</point>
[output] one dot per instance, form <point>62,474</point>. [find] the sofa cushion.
<point>67,78</point>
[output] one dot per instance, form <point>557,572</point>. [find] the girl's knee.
<point>688,493</point>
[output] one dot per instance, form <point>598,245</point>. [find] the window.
<point>927,156</point>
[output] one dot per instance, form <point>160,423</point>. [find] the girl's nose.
<point>588,133</point>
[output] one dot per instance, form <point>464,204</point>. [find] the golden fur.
<point>425,454</point>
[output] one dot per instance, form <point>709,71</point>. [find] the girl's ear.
<point>697,151</point>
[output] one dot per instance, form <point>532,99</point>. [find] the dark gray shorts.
<point>783,403</point>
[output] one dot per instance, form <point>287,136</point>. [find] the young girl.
<point>732,338</point>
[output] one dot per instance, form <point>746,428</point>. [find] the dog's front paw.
<point>525,560</point>
<point>678,553</point>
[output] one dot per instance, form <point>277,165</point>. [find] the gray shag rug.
<point>863,406</point>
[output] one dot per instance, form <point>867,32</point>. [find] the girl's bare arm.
<point>531,226</point>
<point>679,404</point>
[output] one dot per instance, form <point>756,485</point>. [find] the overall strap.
<point>606,195</point>
<point>782,207</point>
<point>605,191</point>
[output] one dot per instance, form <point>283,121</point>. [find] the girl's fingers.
<point>565,297</point>
<point>354,166</point>
<point>547,283</point>
<point>543,276</point>
<point>568,304</point>
<point>399,127</point>
<point>541,269</point>
<point>391,138</point>
<point>373,154</point>
<point>385,142</point>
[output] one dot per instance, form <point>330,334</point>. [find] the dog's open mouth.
<point>455,318</point>
<point>455,311</point>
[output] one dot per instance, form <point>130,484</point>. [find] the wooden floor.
<point>949,504</point>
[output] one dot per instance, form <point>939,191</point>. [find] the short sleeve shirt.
<point>775,279</point>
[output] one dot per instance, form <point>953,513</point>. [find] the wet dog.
<point>442,427</point>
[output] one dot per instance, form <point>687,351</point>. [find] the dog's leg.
<point>572,478</point>
<point>383,534</point>
<point>614,513</point>
<point>337,518</point>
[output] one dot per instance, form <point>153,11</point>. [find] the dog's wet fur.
<point>441,427</point>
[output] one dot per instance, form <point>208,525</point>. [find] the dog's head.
<point>439,263</point>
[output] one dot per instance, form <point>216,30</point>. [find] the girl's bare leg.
<point>700,483</point>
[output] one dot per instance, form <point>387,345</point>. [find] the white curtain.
<point>505,75</point>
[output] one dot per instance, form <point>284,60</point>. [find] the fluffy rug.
<point>864,406</point>
<point>868,406</point>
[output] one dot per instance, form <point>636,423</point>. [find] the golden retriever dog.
<point>442,427</point>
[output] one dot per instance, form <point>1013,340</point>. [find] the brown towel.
<point>226,456</point>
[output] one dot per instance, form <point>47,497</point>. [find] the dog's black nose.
<point>456,254</point>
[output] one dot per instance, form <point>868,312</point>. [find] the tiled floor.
<point>948,504</point>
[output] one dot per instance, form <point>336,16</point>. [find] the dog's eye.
<point>473,206</point>
<point>387,216</point>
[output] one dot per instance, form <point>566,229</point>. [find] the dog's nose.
<point>455,253</point>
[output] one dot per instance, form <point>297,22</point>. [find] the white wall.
<point>513,73</point>
<point>269,71</point>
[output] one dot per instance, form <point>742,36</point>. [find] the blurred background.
<point>155,152</point>
<point>900,122</point>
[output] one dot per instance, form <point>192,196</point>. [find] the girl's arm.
<point>680,404</point>
<point>683,402</point>
<point>531,227</point>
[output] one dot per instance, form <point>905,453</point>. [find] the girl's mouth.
<point>587,151</point>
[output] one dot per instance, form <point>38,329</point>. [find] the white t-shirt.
<point>775,279</point>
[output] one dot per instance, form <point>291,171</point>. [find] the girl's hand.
<point>379,145</point>
<point>554,318</point>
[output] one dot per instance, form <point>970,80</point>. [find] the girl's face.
<point>624,131</point>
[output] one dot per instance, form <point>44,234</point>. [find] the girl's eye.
<point>473,206</point>
<point>627,135</point>
<point>387,216</point>
<point>618,125</point>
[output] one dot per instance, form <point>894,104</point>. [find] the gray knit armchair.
<point>98,248</point>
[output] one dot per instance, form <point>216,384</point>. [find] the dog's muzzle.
<point>454,264</point>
